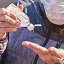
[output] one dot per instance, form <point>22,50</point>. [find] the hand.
<point>50,56</point>
<point>8,22</point>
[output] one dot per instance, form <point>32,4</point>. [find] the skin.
<point>51,55</point>
<point>8,22</point>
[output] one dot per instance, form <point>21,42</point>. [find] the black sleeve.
<point>3,45</point>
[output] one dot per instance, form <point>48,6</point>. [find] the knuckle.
<point>50,48</point>
<point>3,10</point>
<point>5,17</point>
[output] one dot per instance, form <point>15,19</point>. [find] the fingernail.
<point>18,23</point>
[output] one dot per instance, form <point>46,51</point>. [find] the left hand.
<point>51,55</point>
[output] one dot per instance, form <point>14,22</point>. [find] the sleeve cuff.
<point>3,45</point>
<point>3,41</point>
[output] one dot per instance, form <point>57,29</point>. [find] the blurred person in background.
<point>48,39</point>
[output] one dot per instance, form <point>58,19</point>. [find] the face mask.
<point>54,10</point>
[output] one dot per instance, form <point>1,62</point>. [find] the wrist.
<point>2,36</point>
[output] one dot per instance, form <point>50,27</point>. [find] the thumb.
<point>21,7</point>
<point>56,52</point>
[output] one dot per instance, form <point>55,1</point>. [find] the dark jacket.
<point>18,54</point>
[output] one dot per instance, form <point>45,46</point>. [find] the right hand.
<point>51,55</point>
<point>8,22</point>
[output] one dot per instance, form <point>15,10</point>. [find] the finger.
<point>18,24</point>
<point>47,58</point>
<point>60,49</point>
<point>8,25</point>
<point>21,7</point>
<point>56,59</point>
<point>13,16</point>
<point>37,48</point>
<point>51,62</point>
<point>3,30</point>
<point>3,11</point>
<point>56,52</point>
<point>7,19</point>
